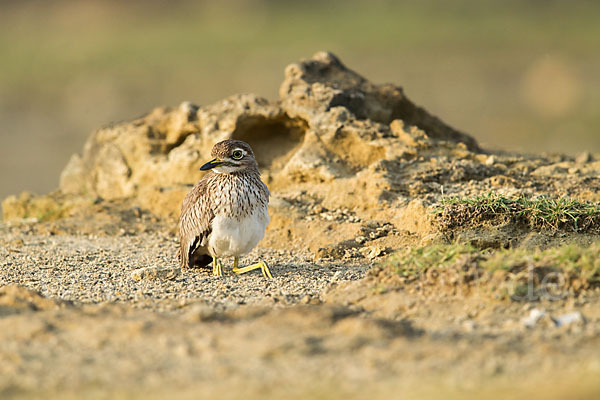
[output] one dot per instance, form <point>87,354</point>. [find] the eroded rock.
<point>312,88</point>
<point>334,141</point>
<point>334,135</point>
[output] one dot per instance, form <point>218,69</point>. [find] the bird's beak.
<point>211,164</point>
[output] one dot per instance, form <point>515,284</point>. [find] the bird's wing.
<point>195,222</point>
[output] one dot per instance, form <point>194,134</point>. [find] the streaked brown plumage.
<point>231,200</point>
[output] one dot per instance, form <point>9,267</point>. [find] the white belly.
<point>231,237</point>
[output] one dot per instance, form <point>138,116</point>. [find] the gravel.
<point>92,269</point>
<point>316,330</point>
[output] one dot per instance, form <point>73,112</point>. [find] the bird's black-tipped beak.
<point>211,164</point>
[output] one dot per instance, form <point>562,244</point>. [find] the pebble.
<point>532,319</point>
<point>154,272</point>
<point>536,315</point>
<point>569,319</point>
<point>372,252</point>
<point>360,239</point>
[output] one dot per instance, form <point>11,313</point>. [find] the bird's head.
<point>231,156</point>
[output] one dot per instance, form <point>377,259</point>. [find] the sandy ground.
<point>92,304</point>
<point>74,323</point>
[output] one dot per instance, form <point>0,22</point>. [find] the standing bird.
<point>225,214</point>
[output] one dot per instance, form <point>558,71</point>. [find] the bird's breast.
<point>235,236</point>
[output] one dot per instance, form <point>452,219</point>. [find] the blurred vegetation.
<point>516,74</point>
<point>563,271</point>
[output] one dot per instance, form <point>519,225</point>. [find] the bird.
<point>226,213</point>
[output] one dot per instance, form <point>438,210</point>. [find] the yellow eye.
<point>237,155</point>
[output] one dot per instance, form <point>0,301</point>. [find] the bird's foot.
<point>260,265</point>
<point>217,268</point>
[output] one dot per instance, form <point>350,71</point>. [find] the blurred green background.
<point>516,74</point>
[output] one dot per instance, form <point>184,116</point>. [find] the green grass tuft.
<point>415,261</point>
<point>518,274</point>
<point>539,213</point>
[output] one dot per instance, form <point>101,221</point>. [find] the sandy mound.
<point>333,149</point>
<point>354,168</point>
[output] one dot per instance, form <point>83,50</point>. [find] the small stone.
<point>305,299</point>
<point>152,273</point>
<point>360,239</point>
<point>372,252</point>
<point>317,209</point>
<point>569,319</point>
<point>490,160</point>
<point>532,319</point>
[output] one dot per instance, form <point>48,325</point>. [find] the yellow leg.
<point>217,267</point>
<point>260,265</point>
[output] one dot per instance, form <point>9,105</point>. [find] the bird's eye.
<point>237,155</point>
